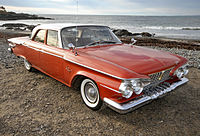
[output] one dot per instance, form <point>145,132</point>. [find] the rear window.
<point>52,38</point>
<point>40,36</point>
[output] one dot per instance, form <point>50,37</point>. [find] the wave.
<point>168,28</point>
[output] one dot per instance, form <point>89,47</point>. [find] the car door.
<point>52,56</point>
<point>32,52</point>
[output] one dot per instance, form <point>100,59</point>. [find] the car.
<point>93,59</point>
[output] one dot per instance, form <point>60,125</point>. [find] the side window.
<point>40,36</point>
<point>52,38</point>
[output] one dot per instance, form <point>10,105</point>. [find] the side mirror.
<point>71,46</point>
<point>133,41</point>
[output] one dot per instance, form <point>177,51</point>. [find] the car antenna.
<point>75,52</point>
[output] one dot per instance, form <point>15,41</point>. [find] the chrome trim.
<point>127,107</point>
<point>51,54</point>
<point>110,88</point>
<point>94,69</point>
<point>10,50</point>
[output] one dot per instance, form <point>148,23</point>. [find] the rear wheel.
<point>27,65</point>
<point>90,94</point>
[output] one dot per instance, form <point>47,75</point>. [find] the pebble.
<point>193,56</point>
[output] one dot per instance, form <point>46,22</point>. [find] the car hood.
<point>133,58</point>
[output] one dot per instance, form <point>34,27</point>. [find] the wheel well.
<point>77,80</point>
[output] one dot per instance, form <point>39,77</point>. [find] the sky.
<point>105,7</point>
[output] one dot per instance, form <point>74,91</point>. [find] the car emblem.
<point>161,76</point>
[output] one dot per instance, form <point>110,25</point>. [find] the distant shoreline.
<point>4,15</point>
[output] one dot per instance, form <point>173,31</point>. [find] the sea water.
<point>184,27</point>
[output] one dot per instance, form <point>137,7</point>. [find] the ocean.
<point>182,27</point>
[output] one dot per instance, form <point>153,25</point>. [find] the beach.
<point>32,103</point>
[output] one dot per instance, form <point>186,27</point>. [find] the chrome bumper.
<point>10,50</point>
<point>132,105</point>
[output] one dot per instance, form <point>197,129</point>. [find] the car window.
<point>52,38</point>
<point>40,36</point>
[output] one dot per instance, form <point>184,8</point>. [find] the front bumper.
<point>136,103</point>
<point>10,50</point>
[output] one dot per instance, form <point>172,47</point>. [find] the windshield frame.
<point>112,34</point>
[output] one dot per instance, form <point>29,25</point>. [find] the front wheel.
<point>90,94</point>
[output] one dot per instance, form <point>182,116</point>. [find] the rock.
<point>146,34</point>
<point>19,29</point>
<point>19,26</point>
<point>122,32</point>
<point>30,27</point>
<point>14,25</point>
<point>190,28</point>
<point>126,33</point>
<point>9,28</point>
<point>136,34</point>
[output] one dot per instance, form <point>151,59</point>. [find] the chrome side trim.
<point>95,69</point>
<point>51,54</point>
<point>127,107</point>
<point>32,47</point>
<point>110,88</point>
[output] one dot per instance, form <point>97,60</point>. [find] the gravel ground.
<point>33,104</point>
<point>193,56</point>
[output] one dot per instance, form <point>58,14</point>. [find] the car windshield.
<point>83,36</point>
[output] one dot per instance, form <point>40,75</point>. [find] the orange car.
<point>93,59</point>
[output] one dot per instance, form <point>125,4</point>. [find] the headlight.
<point>135,85</point>
<point>182,71</point>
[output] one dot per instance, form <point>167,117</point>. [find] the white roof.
<point>58,26</point>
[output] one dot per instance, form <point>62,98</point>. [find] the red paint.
<point>122,61</point>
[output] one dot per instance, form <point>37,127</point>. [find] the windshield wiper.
<point>108,42</point>
<point>99,42</point>
<point>93,43</point>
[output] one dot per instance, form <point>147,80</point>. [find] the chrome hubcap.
<point>91,92</point>
<point>27,65</point>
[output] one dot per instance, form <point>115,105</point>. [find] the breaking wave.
<point>169,28</point>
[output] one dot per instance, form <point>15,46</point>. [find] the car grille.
<point>156,80</point>
<point>160,76</point>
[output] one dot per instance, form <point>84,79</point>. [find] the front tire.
<point>27,65</point>
<point>90,94</point>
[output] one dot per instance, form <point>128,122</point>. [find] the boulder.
<point>122,32</point>
<point>146,34</point>
<point>136,34</point>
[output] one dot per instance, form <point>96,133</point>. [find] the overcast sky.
<point>105,7</point>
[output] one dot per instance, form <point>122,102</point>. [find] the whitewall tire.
<point>27,65</point>
<point>90,94</point>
